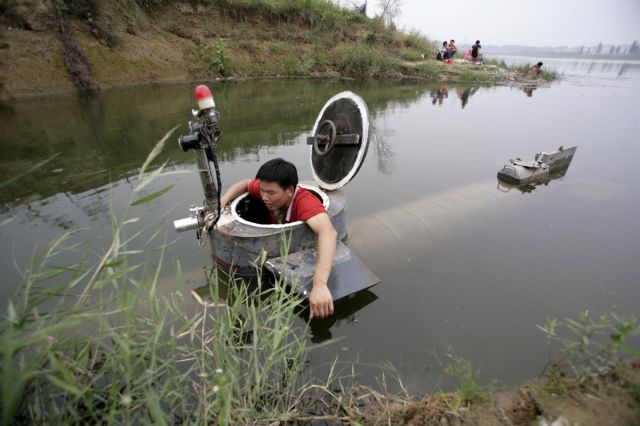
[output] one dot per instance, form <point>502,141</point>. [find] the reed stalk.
<point>98,340</point>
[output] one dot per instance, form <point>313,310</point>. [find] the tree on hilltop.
<point>389,11</point>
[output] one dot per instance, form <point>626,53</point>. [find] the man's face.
<point>273,196</point>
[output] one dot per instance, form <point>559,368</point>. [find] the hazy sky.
<point>528,22</point>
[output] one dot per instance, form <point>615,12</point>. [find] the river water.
<point>486,264</point>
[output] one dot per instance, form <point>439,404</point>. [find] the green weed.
<point>466,74</point>
<point>468,389</point>
<point>215,57</point>
<point>412,55</point>
<point>500,63</point>
<point>290,66</point>
<point>634,391</point>
<point>588,345</point>
<point>274,48</point>
<point>363,62</point>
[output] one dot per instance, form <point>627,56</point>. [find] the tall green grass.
<point>312,13</point>
<point>360,61</point>
<point>99,341</point>
<point>588,345</point>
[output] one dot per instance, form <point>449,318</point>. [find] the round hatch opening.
<point>250,211</point>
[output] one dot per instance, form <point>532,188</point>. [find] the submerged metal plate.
<point>348,274</point>
<point>350,115</point>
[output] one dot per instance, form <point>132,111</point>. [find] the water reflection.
<point>529,88</point>
<point>438,95</point>
<point>344,313</point>
<point>465,94</point>
<point>628,67</point>
<point>384,153</point>
<point>528,188</point>
<point>106,138</point>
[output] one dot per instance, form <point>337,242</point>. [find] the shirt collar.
<point>288,217</point>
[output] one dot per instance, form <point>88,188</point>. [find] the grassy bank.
<point>94,341</point>
<point>58,45</point>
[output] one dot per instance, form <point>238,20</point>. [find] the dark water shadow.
<point>320,329</point>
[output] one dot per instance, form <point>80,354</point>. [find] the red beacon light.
<point>204,98</point>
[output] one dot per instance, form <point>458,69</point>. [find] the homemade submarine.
<point>546,166</point>
<point>241,236</point>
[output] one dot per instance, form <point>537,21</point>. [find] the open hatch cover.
<point>340,140</point>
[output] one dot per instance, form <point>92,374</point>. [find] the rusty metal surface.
<point>239,244</point>
<point>348,274</point>
<point>558,159</point>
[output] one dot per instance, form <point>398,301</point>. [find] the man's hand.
<point>320,301</point>
<point>234,191</point>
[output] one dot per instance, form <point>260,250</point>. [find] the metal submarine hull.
<point>237,244</point>
<point>244,243</point>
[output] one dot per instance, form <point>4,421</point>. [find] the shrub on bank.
<point>360,61</point>
<point>412,55</point>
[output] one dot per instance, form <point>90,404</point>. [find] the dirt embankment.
<point>44,51</point>
<point>47,50</point>
<point>607,399</point>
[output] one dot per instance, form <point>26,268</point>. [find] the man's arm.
<point>320,300</point>
<point>234,191</point>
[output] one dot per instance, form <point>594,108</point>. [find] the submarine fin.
<point>348,274</point>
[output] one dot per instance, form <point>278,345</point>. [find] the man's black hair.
<point>539,64</point>
<point>279,171</point>
<point>477,41</point>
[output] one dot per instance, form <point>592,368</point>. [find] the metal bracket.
<point>347,139</point>
<point>194,221</point>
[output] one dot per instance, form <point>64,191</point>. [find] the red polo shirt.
<point>304,205</point>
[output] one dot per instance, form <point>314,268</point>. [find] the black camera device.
<point>205,130</point>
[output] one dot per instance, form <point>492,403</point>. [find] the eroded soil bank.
<point>607,399</point>
<point>46,51</point>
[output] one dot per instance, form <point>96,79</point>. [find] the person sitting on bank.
<point>443,52</point>
<point>467,55</point>
<point>276,185</point>
<point>452,49</point>
<point>535,71</point>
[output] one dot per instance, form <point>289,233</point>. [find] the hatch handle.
<point>329,140</point>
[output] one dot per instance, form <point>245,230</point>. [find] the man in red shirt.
<point>276,184</point>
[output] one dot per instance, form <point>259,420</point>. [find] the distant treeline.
<point>630,50</point>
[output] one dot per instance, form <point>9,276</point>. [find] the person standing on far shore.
<point>476,56</point>
<point>534,73</point>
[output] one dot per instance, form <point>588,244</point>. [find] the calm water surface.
<point>490,263</point>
